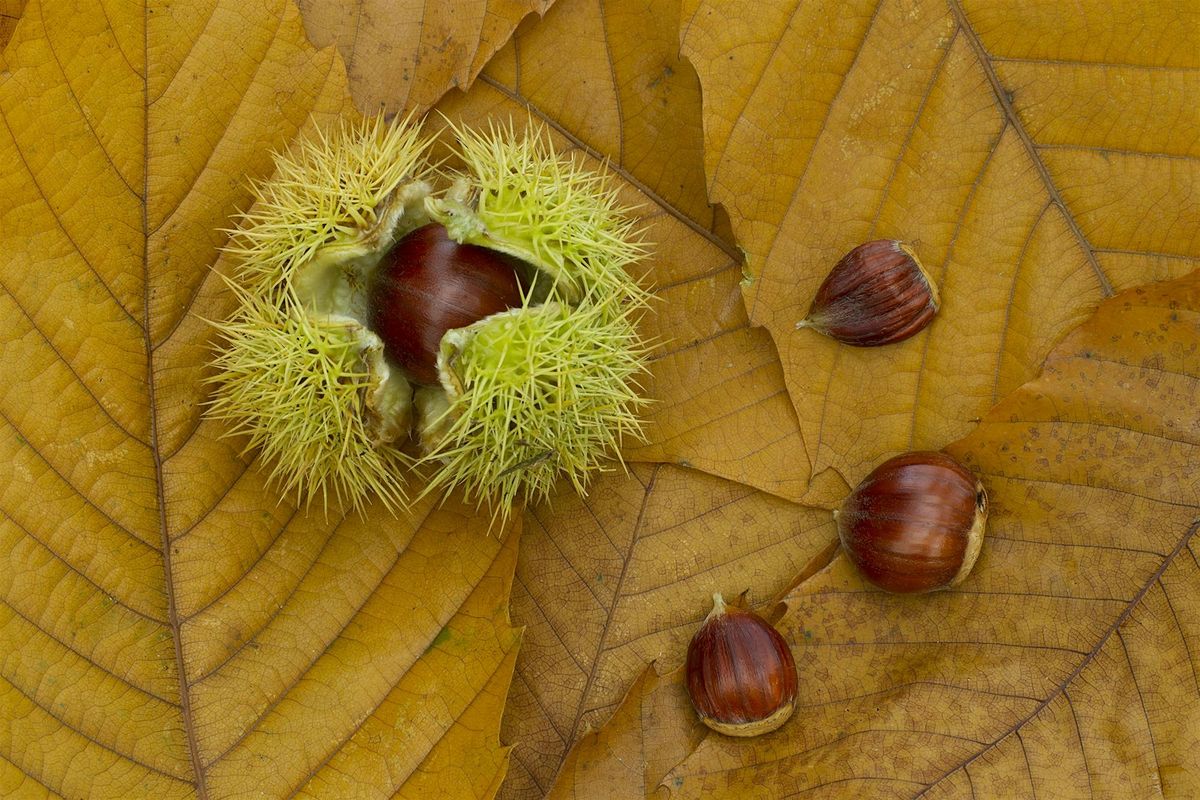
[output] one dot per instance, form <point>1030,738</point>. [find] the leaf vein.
<point>91,660</point>
<point>63,560</point>
<point>1089,657</point>
<point>31,772</point>
<point>279,531</point>
<point>1012,294</point>
<point>1010,114</point>
<point>455,722</point>
<point>963,213</point>
<point>767,261</point>
<point>61,225</point>
<point>71,368</point>
<point>258,66</point>
<point>75,489</point>
<point>66,82</point>
<point>607,629</point>
<point>125,756</point>
<point>283,603</point>
<point>293,683</point>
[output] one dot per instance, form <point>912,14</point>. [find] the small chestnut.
<point>915,524</point>
<point>877,294</point>
<point>740,673</point>
<point>428,284</point>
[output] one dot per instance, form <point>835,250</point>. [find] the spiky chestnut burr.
<point>877,294</point>
<point>297,373</point>
<point>915,524</point>
<point>516,390</point>
<point>534,394</point>
<point>548,390</point>
<point>518,196</point>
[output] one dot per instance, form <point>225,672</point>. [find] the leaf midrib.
<point>173,617</point>
<point>1003,98</point>
<point>1061,689</point>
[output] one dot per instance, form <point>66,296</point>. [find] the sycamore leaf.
<point>405,54</point>
<point>168,626</point>
<point>1039,155</point>
<point>1064,666</point>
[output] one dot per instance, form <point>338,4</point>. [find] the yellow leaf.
<point>406,54</point>
<point>168,626</point>
<point>1036,154</point>
<point>1064,666</point>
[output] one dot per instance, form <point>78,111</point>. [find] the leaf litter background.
<point>169,629</point>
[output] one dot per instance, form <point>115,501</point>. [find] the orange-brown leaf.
<point>1064,666</point>
<point>610,583</point>
<point>405,54</point>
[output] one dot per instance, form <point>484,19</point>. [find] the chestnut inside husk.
<point>428,284</point>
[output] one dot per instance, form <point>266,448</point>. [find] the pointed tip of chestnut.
<point>428,284</point>
<point>877,294</point>
<point>740,673</point>
<point>915,524</point>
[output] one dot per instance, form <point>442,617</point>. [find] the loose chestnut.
<point>877,294</point>
<point>428,284</point>
<point>915,524</point>
<point>741,676</point>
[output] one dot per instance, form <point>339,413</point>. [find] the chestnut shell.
<point>877,294</point>
<point>740,673</point>
<point>915,523</point>
<point>428,284</point>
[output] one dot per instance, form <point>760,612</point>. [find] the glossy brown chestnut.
<point>741,676</point>
<point>428,284</point>
<point>915,524</point>
<point>877,294</point>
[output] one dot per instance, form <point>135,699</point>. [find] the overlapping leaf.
<point>168,627</point>
<point>405,55</point>
<point>1065,666</point>
<point>622,578</point>
<point>608,78</point>
<point>10,12</point>
<point>1038,155</point>
<point>719,403</point>
<point>595,560</point>
<point>611,74</point>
